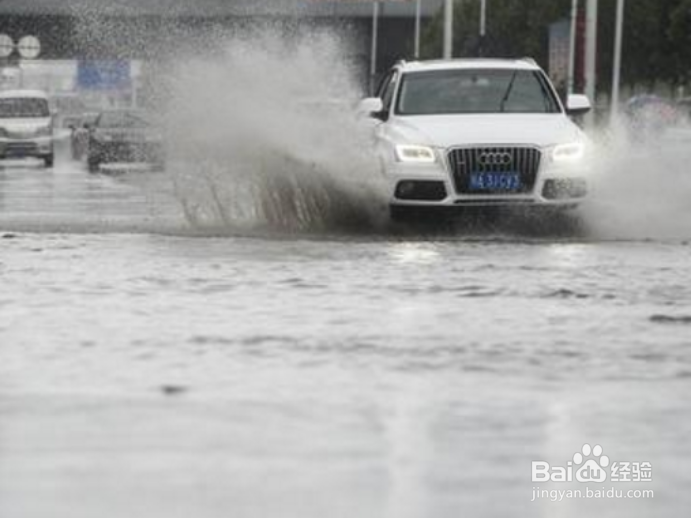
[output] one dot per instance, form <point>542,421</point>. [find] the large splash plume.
<point>641,185</point>
<point>266,133</point>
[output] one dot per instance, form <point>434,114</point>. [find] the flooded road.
<point>149,370</point>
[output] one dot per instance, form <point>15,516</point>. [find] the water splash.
<point>265,134</point>
<point>641,187</point>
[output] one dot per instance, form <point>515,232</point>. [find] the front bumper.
<point>22,148</point>
<point>432,184</point>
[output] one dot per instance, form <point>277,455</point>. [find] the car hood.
<point>486,129</point>
<point>24,124</point>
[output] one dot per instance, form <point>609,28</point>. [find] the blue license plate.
<point>506,181</point>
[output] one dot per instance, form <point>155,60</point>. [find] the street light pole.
<point>590,55</point>
<point>572,46</point>
<point>617,59</point>
<point>481,30</point>
<point>416,44</point>
<point>448,29</point>
<point>373,46</point>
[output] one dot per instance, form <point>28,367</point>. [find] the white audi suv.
<point>478,132</point>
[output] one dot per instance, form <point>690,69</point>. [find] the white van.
<point>26,125</point>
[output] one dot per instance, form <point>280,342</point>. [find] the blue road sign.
<point>103,75</point>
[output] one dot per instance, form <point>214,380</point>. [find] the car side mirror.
<point>371,107</point>
<point>578,104</point>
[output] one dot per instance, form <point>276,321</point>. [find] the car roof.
<point>23,94</point>
<point>468,63</point>
<point>121,110</point>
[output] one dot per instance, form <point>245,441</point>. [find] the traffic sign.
<point>104,75</point>
<point>6,46</point>
<point>29,47</point>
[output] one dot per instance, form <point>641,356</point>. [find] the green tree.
<point>514,28</point>
<point>679,38</point>
<point>656,36</point>
<point>644,57</point>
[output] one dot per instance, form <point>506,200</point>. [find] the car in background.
<point>649,116</point>
<point>124,136</point>
<point>26,126</point>
<point>477,132</point>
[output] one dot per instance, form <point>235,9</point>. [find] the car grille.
<point>466,161</point>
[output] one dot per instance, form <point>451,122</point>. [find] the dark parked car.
<point>124,136</point>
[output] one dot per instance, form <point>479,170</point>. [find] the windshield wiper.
<point>508,91</point>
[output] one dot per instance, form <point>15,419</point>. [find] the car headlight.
<point>568,152</point>
<point>418,154</point>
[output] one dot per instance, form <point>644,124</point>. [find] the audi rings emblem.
<point>495,158</point>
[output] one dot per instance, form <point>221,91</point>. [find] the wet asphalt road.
<point>151,370</point>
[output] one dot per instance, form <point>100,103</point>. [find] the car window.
<point>382,86</point>
<point>475,91</point>
<point>27,107</point>
<point>388,92</point>
<point>122,119</point>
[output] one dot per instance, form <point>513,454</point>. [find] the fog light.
<point>423,190</point>
<point>405,189</point>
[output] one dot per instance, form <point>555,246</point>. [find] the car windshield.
<point>123,119</point>
<point>475,91</point>
<point>23,107</point>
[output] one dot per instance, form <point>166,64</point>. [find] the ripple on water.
<point>669,319</point>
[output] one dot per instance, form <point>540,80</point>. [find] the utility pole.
<point>572,46</point>
<point>590,55</point>
<point>448,29</point>
<point>373,46</point>
<point>416,38</point>
<point>481,30</point>
<point>419,15</point>
<point>617,59</point>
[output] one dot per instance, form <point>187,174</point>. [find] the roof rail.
<point>529,60</point>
